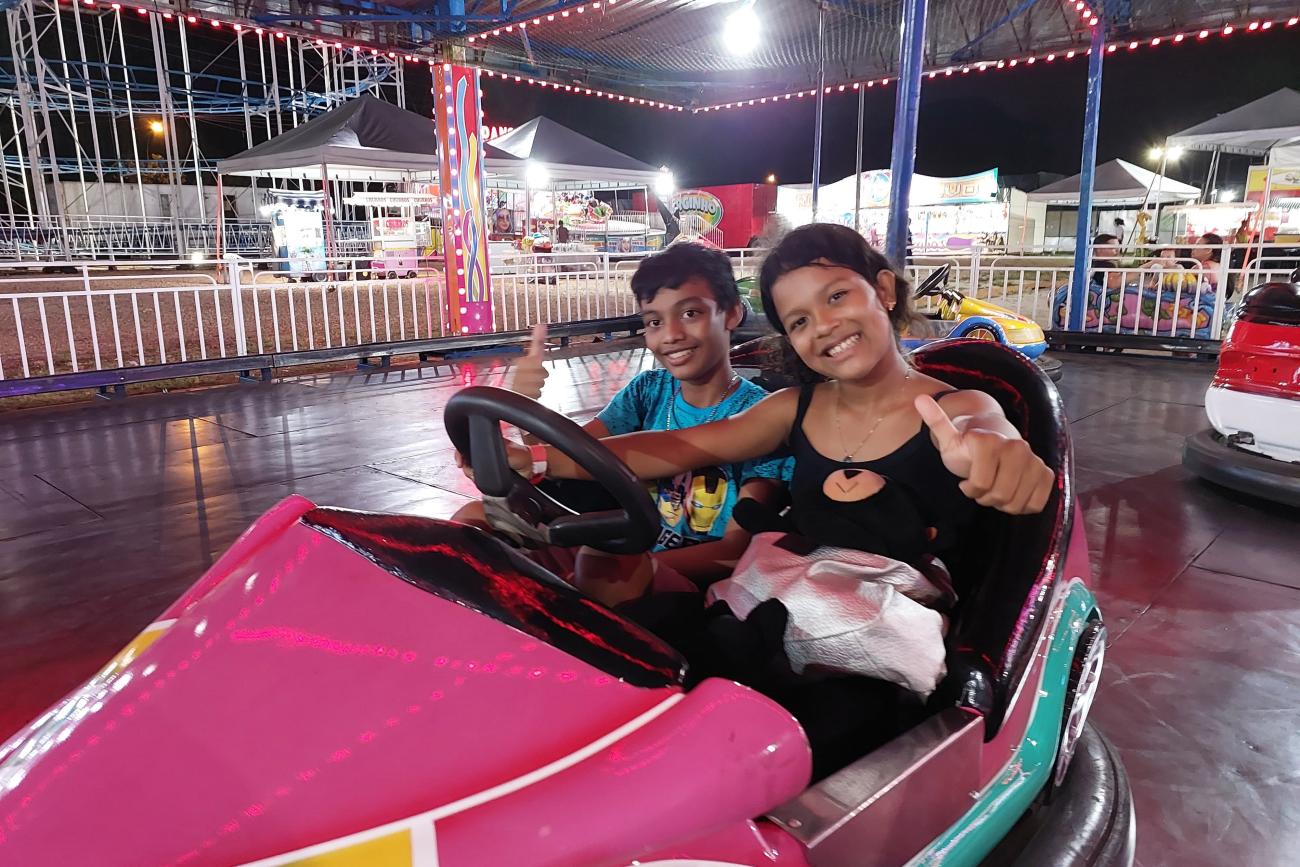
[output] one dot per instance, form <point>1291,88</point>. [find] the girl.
<point>841,306</point>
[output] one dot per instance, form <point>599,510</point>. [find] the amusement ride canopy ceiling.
<point>678,51</point>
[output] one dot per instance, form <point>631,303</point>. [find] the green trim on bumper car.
<point>1012,792</point>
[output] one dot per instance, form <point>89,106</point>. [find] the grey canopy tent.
<point>571,161</point>
<point>1118,183</point>
<point>1255,128</point>
<point>571,158</point>
<point>364,140</point>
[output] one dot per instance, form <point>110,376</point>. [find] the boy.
<point>689,305</point>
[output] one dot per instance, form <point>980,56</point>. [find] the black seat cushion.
<point>1005,567</point>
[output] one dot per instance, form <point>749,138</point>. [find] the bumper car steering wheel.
<point>527,515</point>
<point>934,284</point>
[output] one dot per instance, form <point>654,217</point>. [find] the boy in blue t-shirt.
<point>694,508</point>
<point>689,304</point>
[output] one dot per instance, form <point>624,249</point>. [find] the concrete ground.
<point>108,510</point>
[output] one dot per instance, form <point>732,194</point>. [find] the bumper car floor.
<point>109,510</point>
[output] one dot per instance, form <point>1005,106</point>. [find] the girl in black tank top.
<point>916,466</point>
<point>841,307</point>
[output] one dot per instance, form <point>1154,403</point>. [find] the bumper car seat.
<point>1006,566</point>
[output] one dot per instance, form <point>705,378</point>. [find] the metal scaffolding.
<point>114,115</point>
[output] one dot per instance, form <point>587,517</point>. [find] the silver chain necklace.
<point>670,417</point>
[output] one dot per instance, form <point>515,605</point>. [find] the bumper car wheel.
<point>1212,458</point>
<point>1089,822</point>
<point>981,333</point>
<point>1085,677</point>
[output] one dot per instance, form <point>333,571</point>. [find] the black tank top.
<point>916,465</point>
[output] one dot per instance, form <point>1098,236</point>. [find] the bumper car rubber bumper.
<point>1207,455</point>
<point>1051,365</point>
<point>1089,821</point>
<point>1030,350</point>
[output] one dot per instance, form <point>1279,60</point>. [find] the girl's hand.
<point>1000,471</point>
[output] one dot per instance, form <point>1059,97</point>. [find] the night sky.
<point>1022,120</point>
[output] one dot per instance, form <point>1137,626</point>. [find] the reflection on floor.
<point>109,510</point>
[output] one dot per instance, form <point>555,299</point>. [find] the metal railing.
<point>95,319</point>
<point>103,239</point>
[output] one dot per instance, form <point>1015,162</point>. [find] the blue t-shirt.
<point>696,506</point>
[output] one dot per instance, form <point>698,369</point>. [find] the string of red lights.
<point>524,26</point>
<point>1011,63</point>
<point>586,91</point>
<point>1086,12</point>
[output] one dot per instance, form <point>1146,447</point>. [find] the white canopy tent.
<point>570,159</point>
<point>1266,126</point>
<point>1118,183</point>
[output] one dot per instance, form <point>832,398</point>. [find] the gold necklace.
<point>839,430</point>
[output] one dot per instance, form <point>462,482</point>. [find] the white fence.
<point>96,319</point>
<point>1126,295</point>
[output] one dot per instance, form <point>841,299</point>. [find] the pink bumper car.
<point>344,688</point>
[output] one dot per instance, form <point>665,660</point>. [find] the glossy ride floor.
<point>108,510</point>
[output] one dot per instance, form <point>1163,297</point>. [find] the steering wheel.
<point>933,284</point>
<point>473,418</point>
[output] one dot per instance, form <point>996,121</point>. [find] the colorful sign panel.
<point>459,118</point>
<point>1282,220</point>
<point>926,190</point>
<point>700,204</point>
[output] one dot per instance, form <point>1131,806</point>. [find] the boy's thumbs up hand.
<point>529,374</point>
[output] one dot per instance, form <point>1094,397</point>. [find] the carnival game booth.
<point>369,173</point>
<point>730,215</point>
<point>945,214</point>
<point>601,195</point>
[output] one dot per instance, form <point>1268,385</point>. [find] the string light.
<point>1152,42</point>
<point>523,26</point>
<point>1086,12</point>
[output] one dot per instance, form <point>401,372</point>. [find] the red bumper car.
<point>1254,401</point>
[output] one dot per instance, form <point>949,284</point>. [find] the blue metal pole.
<point>907,105</point>
<point>1091,116</point>
<point>821,93</point>
<point>456,11</point>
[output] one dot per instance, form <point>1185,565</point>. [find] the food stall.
<point>1281,184</point>
<point>1185,223</point>
<point>405,229</point>
<point>297,232</point>
<point>945,214</point>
